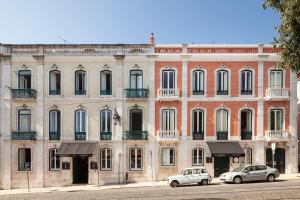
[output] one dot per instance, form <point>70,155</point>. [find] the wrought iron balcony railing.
<point>23,93</point>
<point>23,135</point>
<point>80,92</point>
<point>198,92</point>
<point>136,93</point>
<point>135,135</point>
<point>54,135</point>
<point>198,136</point>
<point>222,92</point>
<point>246,135</point>
<point>54,92</point>
<point>246,92</point>
<point>105,135</point>
<point>80,135</point>
<point>222,135</point>
<point>105,92</point>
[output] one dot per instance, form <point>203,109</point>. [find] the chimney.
<point>152,38</point>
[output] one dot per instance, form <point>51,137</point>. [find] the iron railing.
<point>54,135</point>
<point>23,135</point>
<point>105,135</point>
<point>136,93</point>
<point>80,135</point>
<point>135,135</point>
<point>23,93</point>
<point>222,135</point>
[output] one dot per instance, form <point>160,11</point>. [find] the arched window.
<point>54,125</point>
<point>80,124</point>
<point>198,124</point>
<point>198,82</point>
<point>105,82</point>
<point>222,124</point>
<point>246,82</point>
<point>80,82</point>
<point>222,82</point>
<point>54,82</point>
<point>198,156</point>
<point>246,124</point>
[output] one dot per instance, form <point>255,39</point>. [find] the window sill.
<point>54,170</point>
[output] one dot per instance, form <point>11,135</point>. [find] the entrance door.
<point>221,165</point>
<point>279,158</point>
<point>80,169</point>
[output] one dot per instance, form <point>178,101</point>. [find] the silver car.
<point>246,173</point>
<point>190,175</point>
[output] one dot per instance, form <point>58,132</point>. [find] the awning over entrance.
<point>225,149</point>
<point>76,148</point>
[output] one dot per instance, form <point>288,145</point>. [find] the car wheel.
<point>271,178</point>
<point>204,182</point>
<point>237,180</point>
<point>174,183</point>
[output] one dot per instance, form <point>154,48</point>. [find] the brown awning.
<point>225,149</point>
<point>76,148</point>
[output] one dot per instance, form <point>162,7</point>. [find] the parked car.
<point>246,173</point>
<point>189,176</point>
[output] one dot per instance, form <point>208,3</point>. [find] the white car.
<point>189,176</point>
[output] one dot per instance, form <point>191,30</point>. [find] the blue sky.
<point>131,21</point>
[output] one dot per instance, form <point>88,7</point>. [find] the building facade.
<point>101,114</point>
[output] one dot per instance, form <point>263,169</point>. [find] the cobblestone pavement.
<point>260,190</point>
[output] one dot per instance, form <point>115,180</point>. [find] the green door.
<point>221,165</point>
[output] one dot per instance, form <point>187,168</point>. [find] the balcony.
<point>80,135</point>
<point>222,92</point>
<point>246,92</point>
<point>23,93</point>
<point>105,135</point>
<point>222,135</point>
<point>54,92</point>
<point>23,135</point>
<point>54,135</point>
<point>198,136</point>
<point>246,135</point>
<point>277,135</point>
<point>135,135</point>
<point>105,92</point>
<point>168,93</point>
<point>168,135</point>
<point>198,92</point>
<point>80,92</point>
<point>136,93</point>
<point>277,94</point>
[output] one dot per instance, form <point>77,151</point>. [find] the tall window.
<point>276,79</point>
<point>222,82</point>
<point>168,156</point>
<point>24,120</point>
<point>248,156</point>
<point>80,120</point>
<point>135,159</point>
<point>24,159</point>
<point>198,124</point>
<point>24,79</point>
<point>246,124</point>
<point>105,82</point>
<point>105,120</point>
<point>54,82</point>
<point>222,124</point>
<point>246,82</point>
<point>276,119</point>
<point>54,124</point>
<point>136,79</point>
<point>106,159</point>
<point>198,82</point>
<point>80,82</point>
<point>54,161</point>
<point>168,120</point>
<point>168,79</point>
<point>136,120</point>
<point>198,155</point>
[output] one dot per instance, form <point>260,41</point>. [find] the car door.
<point>261,172</point>
<point>197,175</point>
<point>187,177</point>
<point>249,173</point>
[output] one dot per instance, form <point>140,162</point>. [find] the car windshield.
<point>240,168</point>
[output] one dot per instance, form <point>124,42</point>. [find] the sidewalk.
<point>105,187</point>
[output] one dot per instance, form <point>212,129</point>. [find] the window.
<point>276,79</point>
<point>260,167</point>
<point>222,82</point>
<point>198,156</point>
<point>24,120</point>
<point>168,120</point>
<point>54,124</point>
<point>80,120</point>
<point>24,78</point>
<point>168,79</point>
<point>246,124</point>
<point>106,159</point>
<point>54,162</point>
<point>135,159</point>
<point>54,82</point>
<point>198,82</point>
<point>198,123</point>
<point>136,79</point>
<point>187,172</point>
<point>222,124</point>
<point>168,156</point>
<point>80,82</point>
<point>24,159</point>
<point>248,156</point>
<point>105,121</point>
<point>105,82</point>
<point>276,121</point>
<point>136,120</point>
<point>246,82</point>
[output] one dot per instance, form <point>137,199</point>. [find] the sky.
<point>132,21</point>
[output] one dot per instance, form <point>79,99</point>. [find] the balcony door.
<point>24,120</point>
<point>276,119</point>
<point>168,120</point>
<point>276,79</point>
<point>24,79</point>
<point>246,124</point>
<point>136,120</point>
<point>136,79</point>
<point>168,79</point>
<point>222,124</point>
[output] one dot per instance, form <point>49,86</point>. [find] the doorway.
<point>221,165</point>
<point>136,120</point>
<point>80,170</point>
<point>279,159</point>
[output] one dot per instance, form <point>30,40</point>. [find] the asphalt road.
<point>260,190</point>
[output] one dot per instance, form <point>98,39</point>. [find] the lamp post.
<point>151,166</point>
<point>273,146</point>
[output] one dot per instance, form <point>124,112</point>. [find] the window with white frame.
<point>276,79</point>
<point>198,82</point>
<point>276,119</point>
<point>168,120</point>
<point>248,156</point>
<point>106,159</point>
<point>80,82</point>
<point>24,79</point>
<point>136,79</point>
<point>222,124</point>
<point>168,79</point>
<point>80,120</point>
<point>54,82</point>
<point>54,161</point>
<point>105,120</point>
<point>246,82</point>
<point>135,158</point>
<point>105,82</point>
<point>24,120</point>
<point>54,121</point>
<point>198,156</point>
<point>24,159</point>
<point>198,121</point>
<point>222,82</point>
<point>168,156</point>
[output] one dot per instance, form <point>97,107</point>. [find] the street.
<point>281,189</point>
